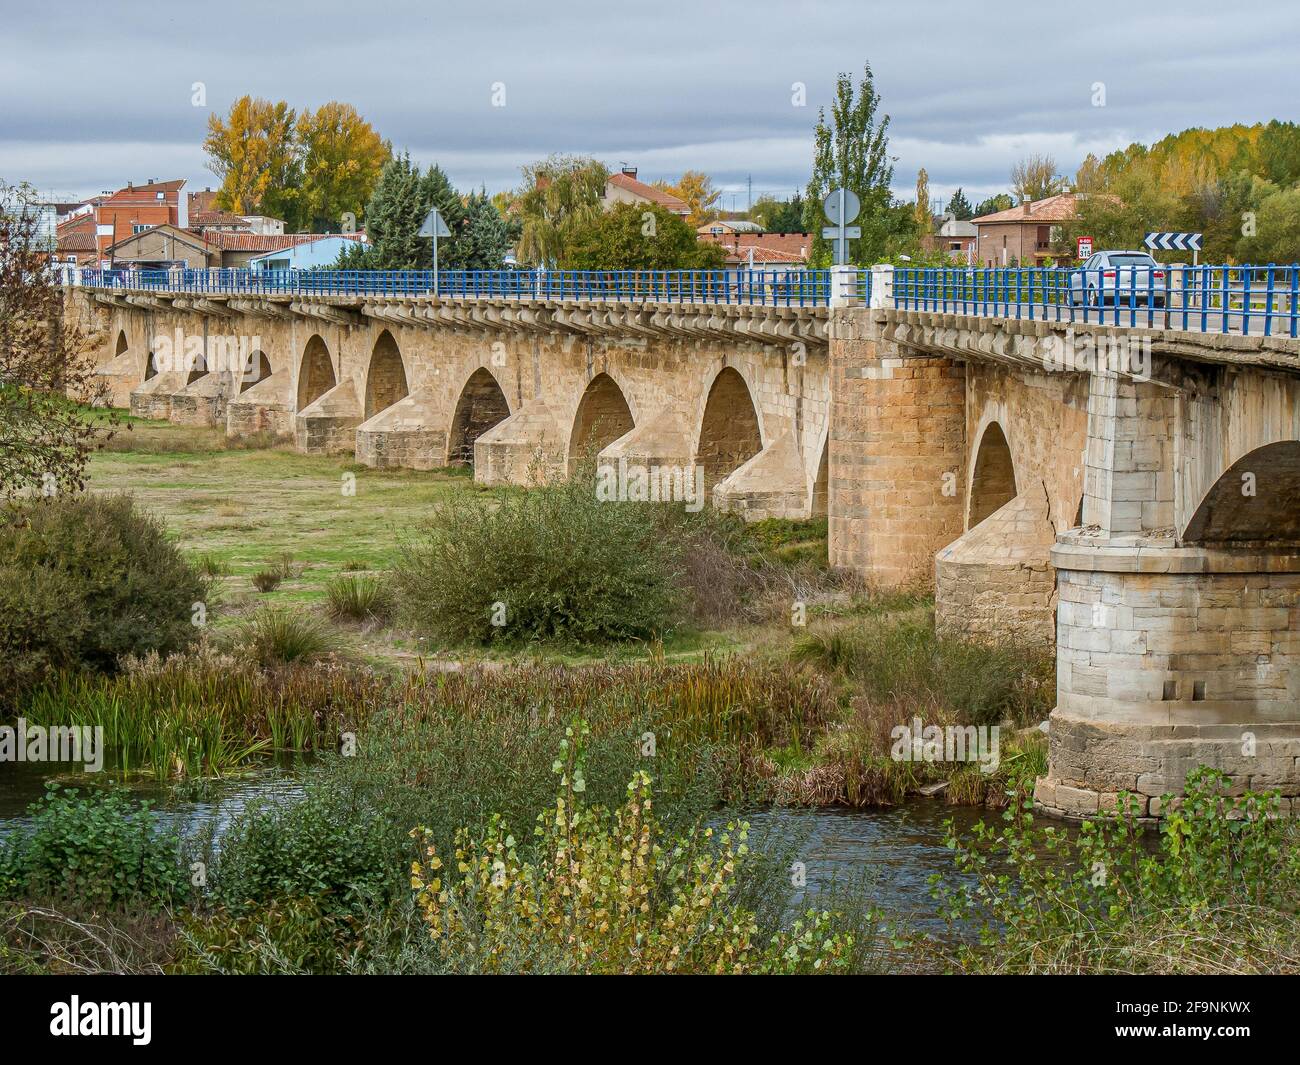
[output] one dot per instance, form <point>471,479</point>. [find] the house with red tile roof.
<point>1023,235</point>
<point>623,187</point>
<point>743,246</point>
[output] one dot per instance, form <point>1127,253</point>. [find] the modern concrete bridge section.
<point>1129,496</point>
<point>1140,509</point>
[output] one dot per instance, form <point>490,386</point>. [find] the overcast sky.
<point>93,95</point>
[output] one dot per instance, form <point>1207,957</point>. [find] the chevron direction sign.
<point>1174,241</point>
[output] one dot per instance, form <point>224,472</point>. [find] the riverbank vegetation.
<point>655,673</point>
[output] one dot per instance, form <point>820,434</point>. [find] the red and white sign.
<point>1084,248</point>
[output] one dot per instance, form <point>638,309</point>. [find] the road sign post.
<point>434,227</point>
<point>1083,247</point>
<point>841,207</point>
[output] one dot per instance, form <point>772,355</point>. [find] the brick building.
<point>1022,235</point>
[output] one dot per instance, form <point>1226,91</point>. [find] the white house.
<point>308,255</point>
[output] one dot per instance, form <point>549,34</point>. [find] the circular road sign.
<point>831,205</point>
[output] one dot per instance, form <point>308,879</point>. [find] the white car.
<point>1129,278</point>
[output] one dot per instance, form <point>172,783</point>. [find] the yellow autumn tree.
<point>254,153</point>
<point>696,189</point>
<point>342,157</point>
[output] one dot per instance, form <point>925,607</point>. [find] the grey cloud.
<point>92,101</point>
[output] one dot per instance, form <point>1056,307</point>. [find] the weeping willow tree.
<point>562,194</point>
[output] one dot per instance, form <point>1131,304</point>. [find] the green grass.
<point>243,510</point>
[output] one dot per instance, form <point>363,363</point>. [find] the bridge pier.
<point>1168,658</point>
<point>897,446</point>
<point>410,434</point>
<point>329,425</point>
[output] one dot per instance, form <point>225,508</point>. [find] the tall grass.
<point>204,713</point>
<point>902,660</point>
<point>353,598</point>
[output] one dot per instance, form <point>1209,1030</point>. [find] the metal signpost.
<point>1175,242</point>
<point>434,227</point>
<point>841,207</point>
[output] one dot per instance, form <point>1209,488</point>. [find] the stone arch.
<point>821,483</point>
<point>122,344</point>
<point>257,370</point>
<point>316,373</point>
<point>603,415</point>
<point>993,477</point>
<point>386,377</point>
<point>729,428</point>
<point>482,404</point>
<point>1256,499</point>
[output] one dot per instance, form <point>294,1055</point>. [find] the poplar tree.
<point>852,150</point>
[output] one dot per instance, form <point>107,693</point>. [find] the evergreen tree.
<point>852,151</point>
<point>959,207</point>
<point>487,237</point>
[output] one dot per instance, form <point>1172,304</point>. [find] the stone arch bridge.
<point>1139,513</point>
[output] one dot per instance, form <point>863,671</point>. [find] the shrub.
<point>358,598</point>
<point>895,659</point>
<point>274,637</point>
<point>267,580</point>
<point>329,845</point>
<point>100,849</point>
<point>211,566</point>
<point>85,580</point>
<point>288,936</point>
<point>552,562</point>
<point>1217,892</point>
<point>610,892</point>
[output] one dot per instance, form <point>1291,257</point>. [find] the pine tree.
<point>487,236</point>
<point>959,207</point>
<point>852,151</point>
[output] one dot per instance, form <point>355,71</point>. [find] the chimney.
<point>152,180</point>
<point>630,171</point>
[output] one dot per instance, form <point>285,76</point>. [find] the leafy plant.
<point>1215,892</point>
<point>99,848</point>
<point>610,892</point>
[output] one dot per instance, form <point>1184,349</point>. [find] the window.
<point>139,227</point>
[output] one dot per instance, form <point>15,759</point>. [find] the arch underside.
<point>729,431</point>
<point>1256,500</point>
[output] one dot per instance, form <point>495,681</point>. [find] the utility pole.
<point>749,185</point>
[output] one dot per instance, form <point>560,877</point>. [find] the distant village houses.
<point>158,226</point>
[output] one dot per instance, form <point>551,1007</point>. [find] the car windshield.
<point>1132,260</point>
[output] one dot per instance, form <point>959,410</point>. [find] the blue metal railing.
<point>779,288</point>
<point>1210,299</point>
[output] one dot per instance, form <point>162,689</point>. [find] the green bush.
<point>85,580</point>
<point>892,659</point>
<point>99,849</point>
<point>553,562</point>
<point>1216,892</point>
<point>329,845</point>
